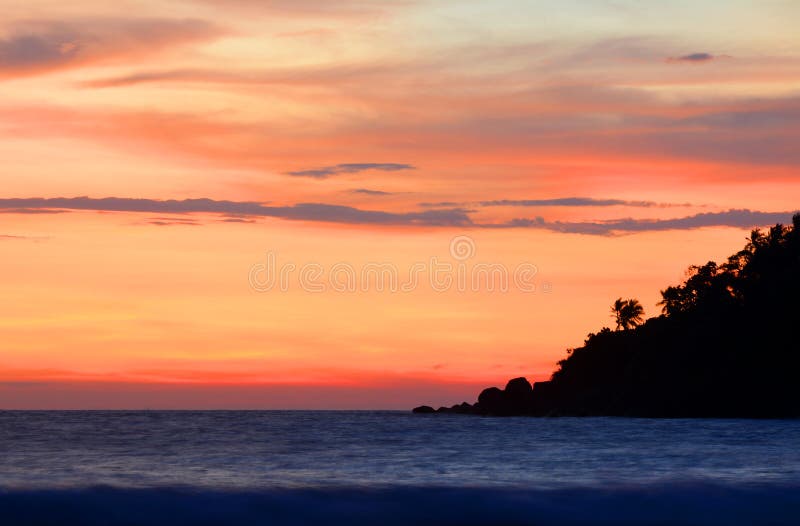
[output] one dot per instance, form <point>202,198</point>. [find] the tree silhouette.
<point>616,311</point>
<point>726,345</point>
<point>628,313</point>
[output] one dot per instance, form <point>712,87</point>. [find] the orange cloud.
<point>752,134</point>
<point>311,8</point>
<point>40,46</point>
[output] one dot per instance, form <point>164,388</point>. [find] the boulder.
<point>463,409</point>
<point>518,396</point>
<point>491,401</point>
<point>423,409</point>
<point>519,387</point>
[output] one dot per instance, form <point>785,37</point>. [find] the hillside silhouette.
<point>726,344</point>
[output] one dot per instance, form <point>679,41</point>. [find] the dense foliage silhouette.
<point>727,344</point>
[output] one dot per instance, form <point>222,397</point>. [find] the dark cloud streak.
<point>350,168</point>
<point>694,58</point>
<point>243,211</point>
<point>742,218</point>
<point>561,201</point>
<point>367,191</point>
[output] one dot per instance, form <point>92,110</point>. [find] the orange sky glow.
<point>156,155</point>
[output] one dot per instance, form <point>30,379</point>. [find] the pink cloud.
<point>40,46</point>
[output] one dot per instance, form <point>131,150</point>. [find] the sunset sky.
<point>156,154</point>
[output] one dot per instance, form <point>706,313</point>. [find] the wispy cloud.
<point>172,221</point>
<point>246,211</point>
<point>12,237</point>
<point>40,46</point>
<point>760,134</point>
<point>237,220</point>
<point>367,191</point>
<point>311,8</point>
<point>32,211</point>
<point>328,76</point>
<point>695,58</point>
<point>571,201</point>
<point>349,168</point>
<point>732,218</point>
<point>561,201</point>
<point>243,209</point>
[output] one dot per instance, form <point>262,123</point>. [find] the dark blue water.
<point>277,467</point>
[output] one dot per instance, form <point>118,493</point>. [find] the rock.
<point>491,401</point>
<point>515,400</point>
<point>423,409</point>
<point>519,387</point>
<point>462,409</point>
<point>518,397</point>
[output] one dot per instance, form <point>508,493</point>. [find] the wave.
<point>684,504</point>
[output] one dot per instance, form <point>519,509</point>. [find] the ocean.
<point>388,467</point>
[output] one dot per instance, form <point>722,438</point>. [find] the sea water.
<point>363,467</point>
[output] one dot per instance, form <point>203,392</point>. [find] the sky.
<point>367,204</point>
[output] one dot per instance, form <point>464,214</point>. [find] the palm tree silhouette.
<point>616,311</point>
<point>628,313</point>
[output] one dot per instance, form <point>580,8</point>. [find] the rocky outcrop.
<point>519,398</point>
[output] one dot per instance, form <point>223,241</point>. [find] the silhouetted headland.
<point>727,344</point>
